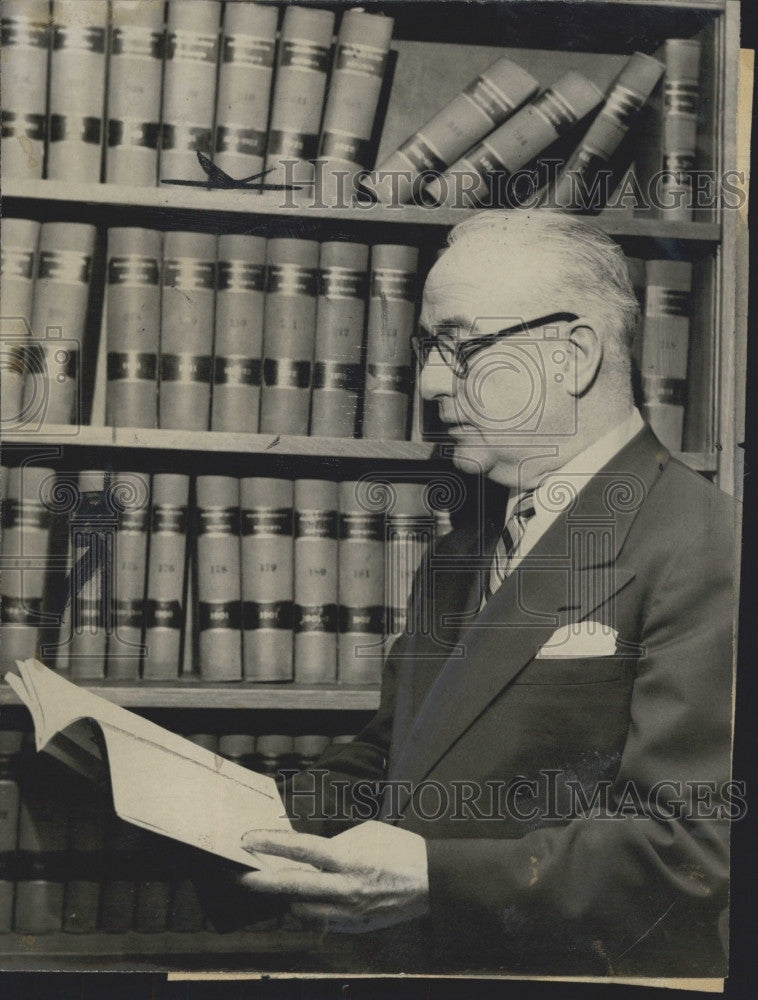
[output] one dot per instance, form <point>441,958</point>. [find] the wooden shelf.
<point>114,199</point>
<point>194,694</point>
<point>257,444</point>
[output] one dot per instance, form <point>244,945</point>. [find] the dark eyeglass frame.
<point>457,353</point>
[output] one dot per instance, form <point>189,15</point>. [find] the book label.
<point>362,620</point>
<point>247,141</point>
<point>80,37</point>
<point>668,391</point>
<point>390,283</point>
<point>139,43</point>
<point>680,98</point>
<point>292,279</point>
<point>142,135</point>
<point>21,33</point>
<point>299,53</point>
<point>188,274</point>
<point>341,146</point>
<point>270,523</point>
<point>133,520</point>
<point>218,521</point>
<point>334,375</point>
<point>20,610</point>
<point>622,105</point>
<point>390,378</point>
<point>129,613</point>
<point>287,374</point>
<point>316,618</point>
<point>422,155</point>
<point>233,370</point>
<point>163,614</point>
<point>31,125</point>
<point>191,46</point>
<point>133,270</point>
<point>246,50</point>
<point>316,524</point>
<point>169,520</point>
<point>492,102</point>
<point>64,127</point>
<point>67,266</point>
<point>342,283</point>
<point>264,615</point>
<point>661,302</point>
<point>363,59</point>
<point>555,110</point>
<point>361,527</point>
<point>219,614</point>
<point>47,357</point>
<point>186,368</point>
<point>25,515</point>
<point>16,263</point>
<point>239,276</point>
<point>292,145</point>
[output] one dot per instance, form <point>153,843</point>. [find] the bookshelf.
<point>436,50</point>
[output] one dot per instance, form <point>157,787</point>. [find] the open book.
<point>159,781</point>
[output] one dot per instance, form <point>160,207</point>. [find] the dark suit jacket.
<point>648,548</point>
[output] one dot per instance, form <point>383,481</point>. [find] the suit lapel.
<point>570,572</point>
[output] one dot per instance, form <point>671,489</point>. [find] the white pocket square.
<point>580,639</point>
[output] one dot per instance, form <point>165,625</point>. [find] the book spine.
<point>151,912</point>
<point>487,102</point>
<point>316,566</point>
<point>267,578</point>
<point>133,317</point>
<point>665,348</point>
<point>410,531</point>
<point>77,90</point>
<point>10,807</point>
<point>26,527</point>
<point>308,749</point>
<point>391,315</point>
<point>239,333</point>
<point>340,319</point>
<point>23,80</point>
<point>118,892</point>
<point>59,315</point>
<point>42,844</point>
<point>637,275</point>
<point>289,334</point>
<point>164,612</point>
<point>131,491</point>
<point>86,833</point>
<point>135,74</point>
<point>360,62</point>
<point>246,70</point>
<point>681,102</point>
<point>219,606</point>
<point>90,578</point>
<point>361,585</point>
<point>18,265</point>
<point>187,311</point>
<point>270,749</point>
<point>189,87</point>
<point>519,140</point>
<point>626,99</point>
<point>299,87</point>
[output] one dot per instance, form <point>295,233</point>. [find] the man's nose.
<point>436,379</point>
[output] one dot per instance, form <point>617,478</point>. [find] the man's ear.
<point>585,356</point>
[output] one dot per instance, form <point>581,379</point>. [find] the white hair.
<point>581,269</point>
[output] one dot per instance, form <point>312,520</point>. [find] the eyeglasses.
<point>457,353</point>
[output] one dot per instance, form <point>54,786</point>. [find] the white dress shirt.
<point>575,474</point>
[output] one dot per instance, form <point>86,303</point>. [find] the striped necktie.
<point>507,543</point>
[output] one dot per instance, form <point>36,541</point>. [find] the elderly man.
<point>547,778</point>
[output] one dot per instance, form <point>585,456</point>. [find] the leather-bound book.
<point>271,748</point>
<point>90,584</point>
<point>10,804</point>
<point>340,321</point>
<point>189,87</point>
<point>308,749</point>
<point>41,842</point>
<point>151,910</point>
<point>246,69</point>
<point>164,612</point>
<point>118,893</point>
<point>514,144</point>
<point>77,90</point>
<point>26,525</point>
<point>239,333</point>
<point>316,567</point>
<point>133,324</point>
<point>665,348</point>
<point>631,89</point>
<point>391,316</point>
<point>410,530</point>
<point>267,578</point>
<point>219,608</point>
<point>18,265</point>
<point>298,101</point>
<point>59,316</point>
<point>135,74</point>
<point>131,492</point>
<point>23,80</point>
<point>86,841</point>
<point>490,99</point>
<point>289,334</point>
<point>361,584</point>
<point>358,69</point>
<point>681,103</point>
<point>187,308</point>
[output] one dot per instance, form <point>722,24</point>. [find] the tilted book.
<point>160,782</point>
<point>681,102</point>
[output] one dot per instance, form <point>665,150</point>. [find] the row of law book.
<point>469,152</point>
<point>131,91</point>
<point>260,579</point>
<point>661,348</point>
<point>68,863</point>
<point>230,333</point>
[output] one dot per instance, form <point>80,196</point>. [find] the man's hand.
<point>371,876</point>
